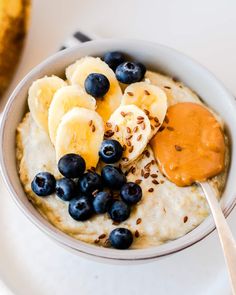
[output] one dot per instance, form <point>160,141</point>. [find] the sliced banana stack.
<point>131,127</point>
<point>64,100</point>
<point>80,131</point>
<point>151,99</point>
<point>40,96</point>
<point>79,71</point>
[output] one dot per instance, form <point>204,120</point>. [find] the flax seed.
<point>130,93</point>
<point>146,92</point>
<point>185,219</point>
<point>131,149</point>
<point>154,181</point>
<point>128,142</point>
<point>109,133</point>
<point>124,147</point>
<point>115,223</point>
<point>150,117</point>
<point>117,128</point>
<point>138,181</point>
<point>128,129</point>
<point>108,124</point>
<point>178,148</point>
<point>143,126</point>
<point>139,122</point>
<point>96,241</point>
<point>157,124</point>
<point>138,221</point>
<point>123,114</point>
<point>151,190</point>
<point>175,79</point>
<point>93,128</point>
<point>170,128</point>
<point>129,137</point>
<point>146,112</point>
<point>147,166</point>
<point>142,172</point>
<point>133,170</point>
<point>102,236</point>
<point>166,119</point>
<point>153,162</point>
<point>90,123</point>
<point>135,129</point>
<point>156,119</point>
<point>162,181</point>
<point>167,87</point>
<point>161,128</point>
<point>140,118</point>
<point>130,169</point>
<point>154,175</point>
<point>95,192</point>
<point>147,153</point>
<point>152,127</point>
<point>139,137</point>
<point>146,175</point>
<point>136,234</point>
<point>107,243</point>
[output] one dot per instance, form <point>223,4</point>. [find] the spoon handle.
<point>226,238</point>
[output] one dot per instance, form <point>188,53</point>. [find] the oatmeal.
<point>110,132</point>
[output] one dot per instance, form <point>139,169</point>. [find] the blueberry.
<point>130,72</point>
<point>71,165</point>
<point>131,193</point>
<point>113,59</point>
<point>119,211</point>
<point>90,182</point>
<point>65,189</point>
<point>110,151</point>
<point>121,238</point>
<point>101,202</point>
<point>96,85</point>
<point>43,184</point>
<point>113,177</point>
<point>81,208</point>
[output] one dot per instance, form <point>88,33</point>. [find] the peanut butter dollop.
<point>190,145</point>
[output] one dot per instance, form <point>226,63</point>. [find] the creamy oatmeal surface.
<point>165,212</point>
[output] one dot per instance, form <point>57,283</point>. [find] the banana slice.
<point>81,131</point>
<point>63,100</point>
<point>40,96</point>
<point>151,99</point>
<point>79,72</point>
<point>71,69</point>
<point>131,127</point>
<point>176,91</point>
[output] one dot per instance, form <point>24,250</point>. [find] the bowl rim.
<point>61,237</point>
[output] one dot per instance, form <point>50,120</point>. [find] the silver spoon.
<point>226,238</point>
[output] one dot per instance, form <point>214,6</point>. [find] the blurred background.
<point>30,264</point>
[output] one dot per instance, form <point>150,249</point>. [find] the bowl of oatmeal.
<point>84,136</point>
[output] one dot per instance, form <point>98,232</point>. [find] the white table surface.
<point>30,263</point>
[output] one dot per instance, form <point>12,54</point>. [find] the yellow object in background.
<point>14,16</point>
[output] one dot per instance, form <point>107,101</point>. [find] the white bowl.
<point>155,57</point>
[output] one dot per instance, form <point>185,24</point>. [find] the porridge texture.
<point>165,212</point>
